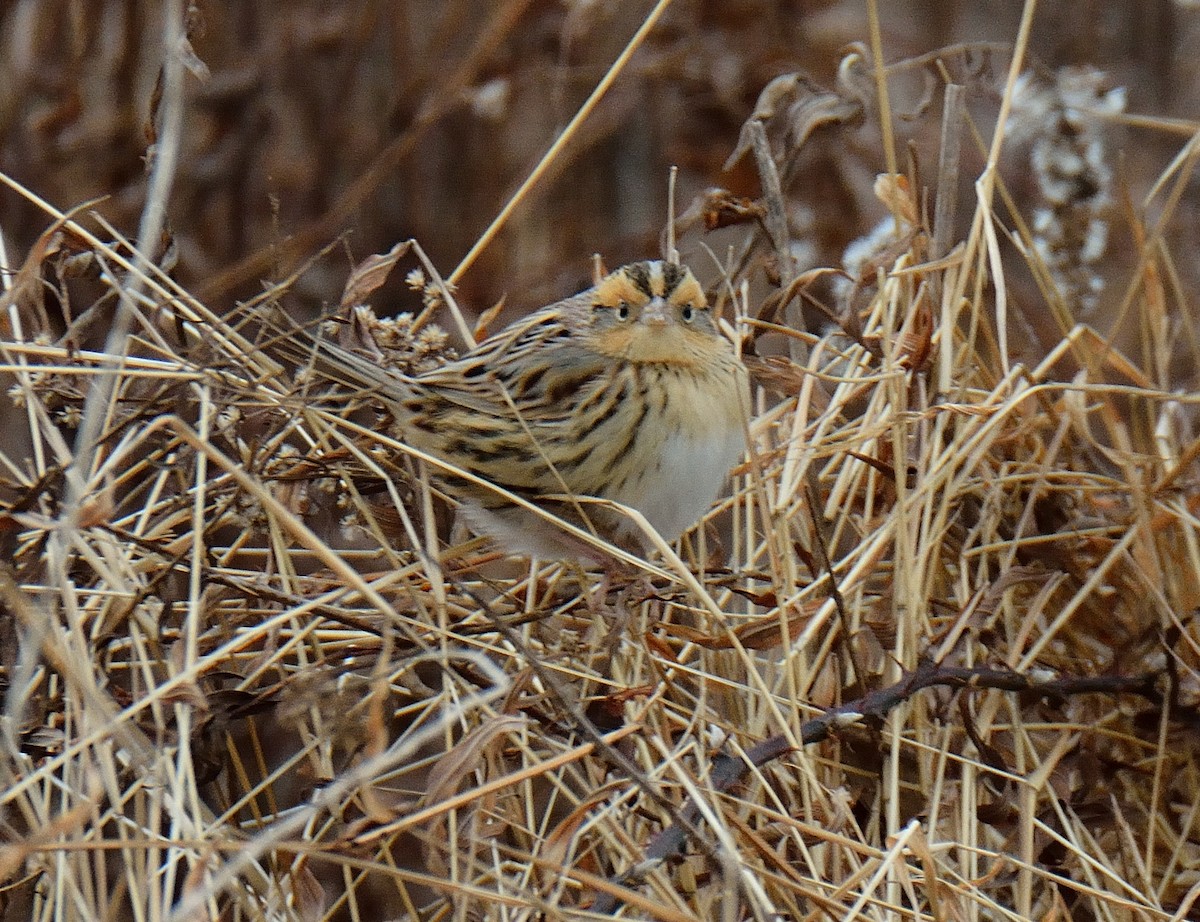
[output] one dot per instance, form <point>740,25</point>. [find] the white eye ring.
<point>687,313</point>
<point>622,311</point>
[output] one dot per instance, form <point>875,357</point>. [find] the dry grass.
<point>934,657</point>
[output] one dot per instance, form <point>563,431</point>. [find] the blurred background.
<point>352,126</point>
<point>419,118</point>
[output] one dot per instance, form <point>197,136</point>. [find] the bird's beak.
<point>656,313</point>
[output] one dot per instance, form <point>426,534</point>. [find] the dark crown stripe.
<point>672,275</point>
<point>639,275</point>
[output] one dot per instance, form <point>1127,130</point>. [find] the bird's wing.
<point>537,367</point>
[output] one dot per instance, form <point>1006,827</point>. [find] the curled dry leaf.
<point>773,305</point>
<point>483,324</point>
<point>791,107</point>
<point>661,649</point>
<point>768,633</point>
<point>27,292</point>
<point>721,208</point>
<point>555,851</point>
<point>895,191</point>
<point>916,342</point>
<point>358,333</point>
<point>761,634</point>
<point>464,756</point>
<point>307,893</point>
<point>369,274</point>
<point>777,372</point>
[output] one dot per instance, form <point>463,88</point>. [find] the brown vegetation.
<point>935,656</point>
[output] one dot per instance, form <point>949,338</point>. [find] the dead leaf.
<point>97,509</point>
<point>661,648</point>
<point>777,372</point>
<point>307,893</point>
<point>791,107</point>
<point>721,208</point>
<point>894,191</point>
<point>554,853</point>
<point>484,323</point>
<point>767,633</point>
<point>916,342</point>
<point>27,291</point>
<point>369,274</point>
<point>463,757</point>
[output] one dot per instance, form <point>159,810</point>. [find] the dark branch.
<point>870,710</point>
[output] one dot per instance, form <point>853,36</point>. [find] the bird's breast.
<point>685,430</point>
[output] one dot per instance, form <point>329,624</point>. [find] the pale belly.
<point>674,494</point>
<point>671,467</point>
<point>679,463</point>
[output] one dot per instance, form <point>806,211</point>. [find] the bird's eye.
<point>622,311</point>
<point>687,313</point>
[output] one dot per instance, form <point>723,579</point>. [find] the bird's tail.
<point>334,351</point>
